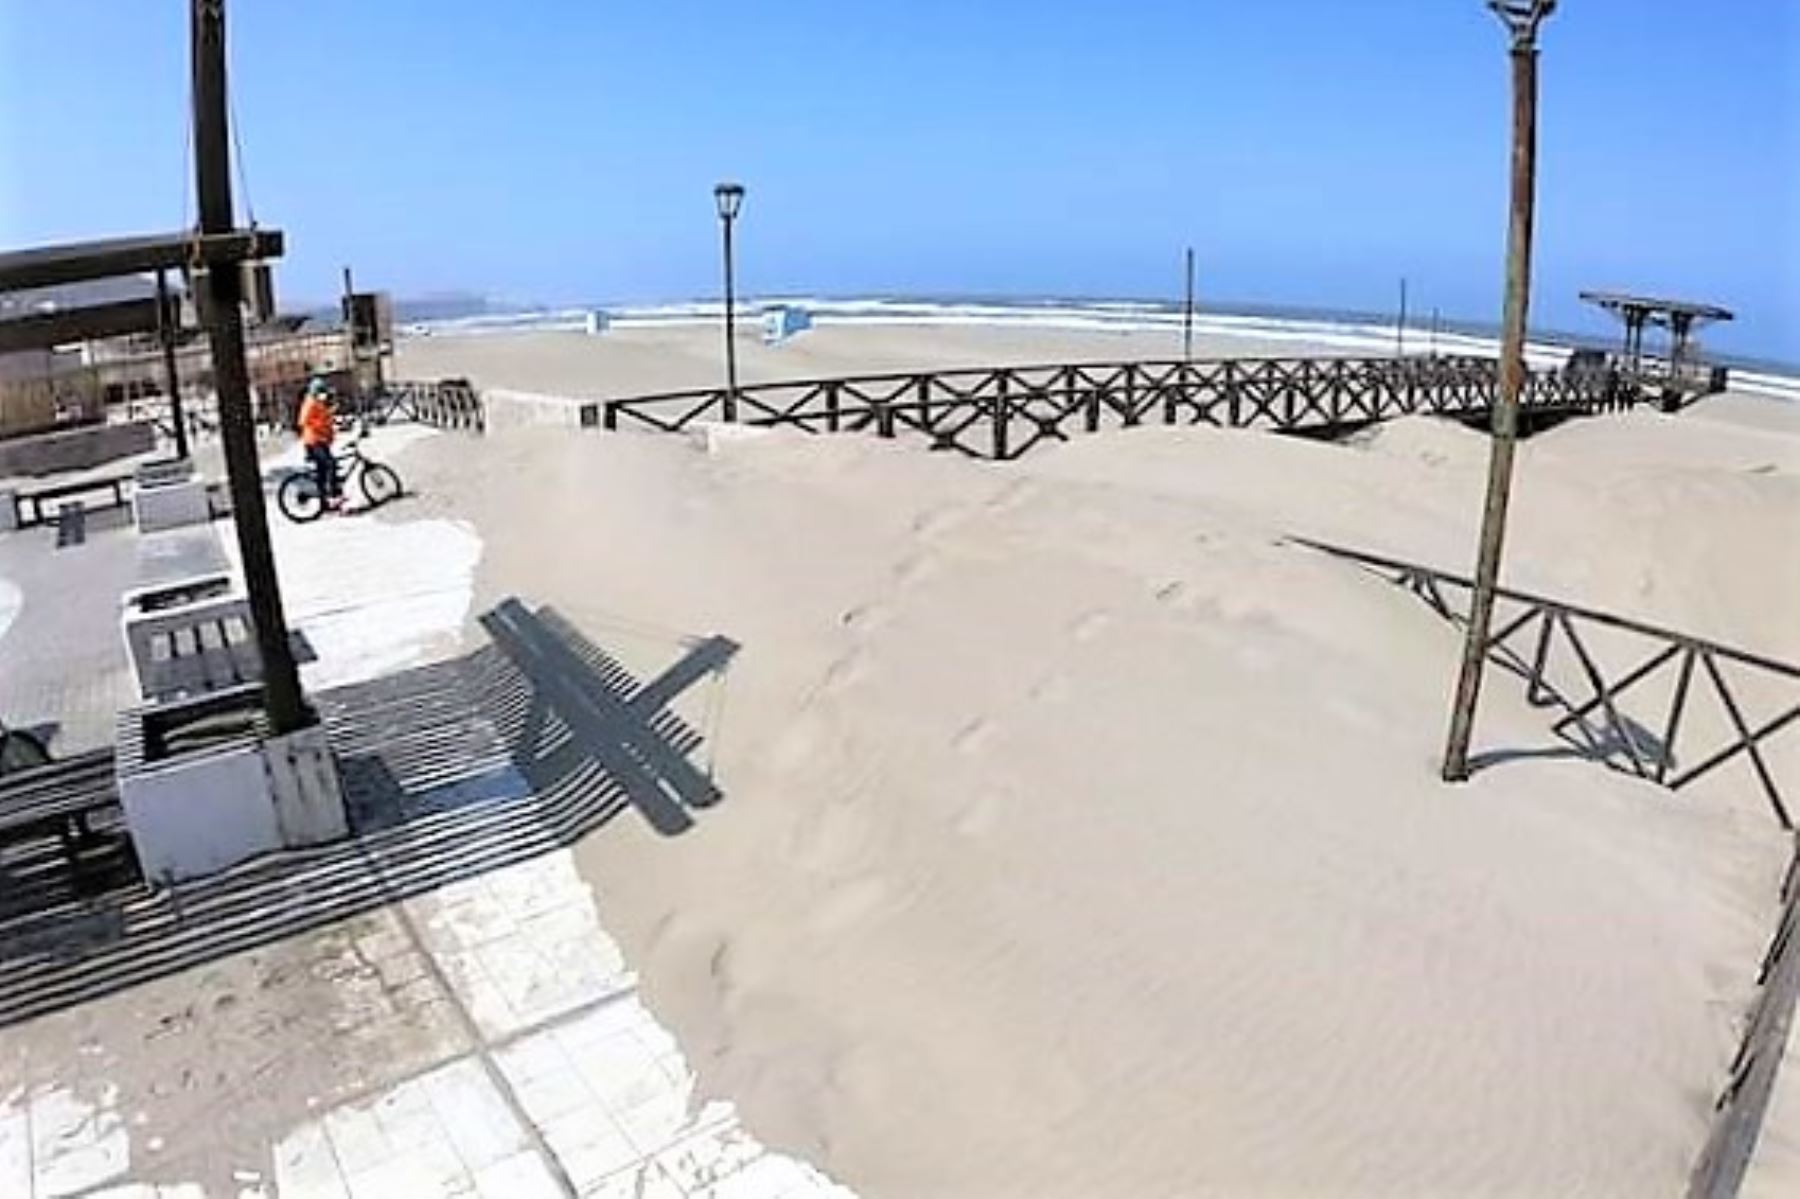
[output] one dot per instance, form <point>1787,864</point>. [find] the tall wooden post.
<point>224,292</point>
<point>1522,18</point>
<point>165,336</point>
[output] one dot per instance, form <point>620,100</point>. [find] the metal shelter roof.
<point>1655,311</point>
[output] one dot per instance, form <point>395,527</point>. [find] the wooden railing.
<point>1743,1103</point>
<point>1003,412</point>
<point>1668,746</point>
<point>448,404</point>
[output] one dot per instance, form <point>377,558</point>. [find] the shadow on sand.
<point>449,770</point>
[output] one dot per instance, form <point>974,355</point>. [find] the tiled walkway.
<point>483,1038</point>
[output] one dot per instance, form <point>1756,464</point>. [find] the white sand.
<point>1083,836</point>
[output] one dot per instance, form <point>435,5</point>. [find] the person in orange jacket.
<point>318,426</point>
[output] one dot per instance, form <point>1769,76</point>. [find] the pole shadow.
<point>449,770</point>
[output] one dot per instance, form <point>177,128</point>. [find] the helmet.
<point>315,386</point>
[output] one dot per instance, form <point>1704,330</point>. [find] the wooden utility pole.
<point>1187,320</point>
<point>224,288</point>
<point>1522,19</point>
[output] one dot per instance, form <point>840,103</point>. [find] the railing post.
<point>833,404</point>
<point>1232,414</point>
<point>1091,408</point>
<point>1001,409</point>
<point>610,417</point>
<point>1131,407</point>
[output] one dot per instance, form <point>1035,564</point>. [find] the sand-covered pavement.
<point>1083,833</point>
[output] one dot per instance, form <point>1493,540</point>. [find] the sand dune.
<point>1083,834</point>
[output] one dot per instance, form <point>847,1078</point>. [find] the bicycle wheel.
<point>299,499</point>
<point>379,484</point>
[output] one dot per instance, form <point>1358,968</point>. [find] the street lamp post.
<point>1187,312</point>
<point>730,199</point>
<point>1522,18</point>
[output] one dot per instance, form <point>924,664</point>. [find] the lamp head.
<point>1523,17</point>
<point>730,198</point>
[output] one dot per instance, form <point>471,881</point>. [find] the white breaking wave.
<point>1119,316</point>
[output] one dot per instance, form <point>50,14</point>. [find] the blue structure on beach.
<point>782,322</point>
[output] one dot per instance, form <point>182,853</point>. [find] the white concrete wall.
<point>517,409</point>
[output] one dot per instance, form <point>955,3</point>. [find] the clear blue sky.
<point>1312,150</point>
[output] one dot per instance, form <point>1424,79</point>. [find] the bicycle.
<point>299,498</point>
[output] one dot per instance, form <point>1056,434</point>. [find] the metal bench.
<point>30,504</point>
<point>59,798</point>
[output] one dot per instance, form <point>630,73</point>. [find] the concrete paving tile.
<point>76,1145</point>
<point>357,1139</point>
<point>642,1181</point>
<point>76,1171</point>
<point>420,1173</point>
<point>659,1121</point>
<point>584,1130</point>
<point>15,1150</point>
<point>481,1128</point>
<point>556,1093</point>
<point>813,1185</point>
<point>593,1162</point>
<point>521,1176</point>
<point>406,1117</point>
<point>624,1015</point>
<point>623,1075</point>
<point>704,1160</point>
<point>531,1057</point>
<point>306,1167</point>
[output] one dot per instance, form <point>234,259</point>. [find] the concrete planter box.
<point>164,501</point>
<point>189,638</point>
<point>204,787</point>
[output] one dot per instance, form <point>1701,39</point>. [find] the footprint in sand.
<point>848,905</point>
<point>937,520</point>
<point>980,812</point>
<point>1049,689</point>
<point>1090,625</point>
<point>865,618</point>
<point>1011,496</point>
<point>973,737</point>
<point>844,670</point>
<point>1171,592</point>
<point>912,568</point>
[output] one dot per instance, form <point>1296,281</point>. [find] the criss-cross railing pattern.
<point>1552,646</point>
<point>445,405</point>
<point>1003,412</point>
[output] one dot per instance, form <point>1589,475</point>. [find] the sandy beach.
<point>1083,834</point>
<point>635,361</point>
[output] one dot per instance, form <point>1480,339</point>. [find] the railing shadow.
<point>450,770</point>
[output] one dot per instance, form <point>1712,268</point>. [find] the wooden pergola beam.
<point>80,262</point>
<point>44,330</point>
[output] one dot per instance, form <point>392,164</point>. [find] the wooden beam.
<point>79,262</point>
<point>43,330</point>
